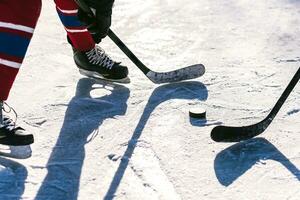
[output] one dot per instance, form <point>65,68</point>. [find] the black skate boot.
<point>97,64</point>
<point>10,134</point>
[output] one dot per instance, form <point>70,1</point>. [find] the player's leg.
<point>89,57</point>
<point>17,23</point>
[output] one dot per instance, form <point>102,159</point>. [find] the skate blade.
<point>97,76</point>
<point>18,152</point>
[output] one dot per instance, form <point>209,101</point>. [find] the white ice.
<point>136,141</point>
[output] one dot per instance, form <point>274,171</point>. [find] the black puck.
<point>198,113</point>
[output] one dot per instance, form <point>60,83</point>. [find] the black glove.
<point>99,24</point>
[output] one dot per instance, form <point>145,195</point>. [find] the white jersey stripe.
<point>16,27</point>
<point>10,63</point>
<point>76,30</point>
<point>67,11</point>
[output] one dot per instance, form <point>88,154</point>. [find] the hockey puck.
<point>198,113</point>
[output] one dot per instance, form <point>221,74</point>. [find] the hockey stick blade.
<point>237,134</point>
<point>186,73</point>
<point>190,72</point>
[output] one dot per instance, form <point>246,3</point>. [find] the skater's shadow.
<point>81,124</point>
<point>297,2</point>
<point>182,90</point>
<point>234,161</point>
<point>12,179</point>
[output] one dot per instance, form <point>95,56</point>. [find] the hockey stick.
<point>189,72</point>
<point>237,134</point>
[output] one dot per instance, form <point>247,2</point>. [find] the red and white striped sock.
<point>17,23</point>
<point>77,32</point>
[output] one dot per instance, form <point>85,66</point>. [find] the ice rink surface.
<point>136,141</point>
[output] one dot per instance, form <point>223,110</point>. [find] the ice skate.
<point>10,134</point>
<point>97,64</point>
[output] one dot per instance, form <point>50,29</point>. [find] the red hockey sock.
<point>77,32</point>
<point>17,23</point>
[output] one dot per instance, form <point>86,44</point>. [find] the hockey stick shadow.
<point>233,162</point>
<point>14,174</point>
<point>83,117</point>
<point>184,90</point>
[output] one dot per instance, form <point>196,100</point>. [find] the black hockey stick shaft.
<point>236,134</point>
<point>285,95</point>
<point>127,51</point>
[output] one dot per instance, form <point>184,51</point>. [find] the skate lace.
<point>8,123</point>
<point>99,57</point>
